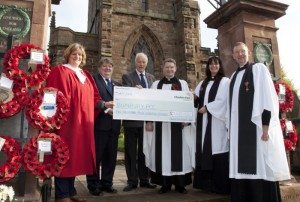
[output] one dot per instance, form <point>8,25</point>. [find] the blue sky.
<point>74,15</point>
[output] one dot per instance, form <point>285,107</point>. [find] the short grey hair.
<point>105,60</point>
<point>141,55</point>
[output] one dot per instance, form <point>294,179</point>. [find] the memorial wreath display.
<point>290,136</point>
<point>18,101</point>
<point>14,158</point>
<point>11,65</point>
<point>35,107</point>
<point>53,163</point>
<point>286,104</point>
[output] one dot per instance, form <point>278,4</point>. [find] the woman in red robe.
<point>78,132</point>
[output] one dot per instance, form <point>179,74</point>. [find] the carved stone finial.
<point>53,20</point>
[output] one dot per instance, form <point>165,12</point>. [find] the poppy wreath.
<point>40,122</point>
<point>290,138</point>
<point>18,101</point>
<point>11,65</point>
<point>288,104</point>
<point>14,159</point>
<point>53,163</point>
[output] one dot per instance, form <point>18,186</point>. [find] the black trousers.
<point>106,143</point>
<point>64,187</point>
<point>134,157</point>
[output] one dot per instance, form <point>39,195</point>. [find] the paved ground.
<point>289,191</point>
<point>142,194</point>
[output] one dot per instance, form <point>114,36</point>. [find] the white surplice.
<point>271,156</point>
<point>217,108</point>
<point>188,143</point>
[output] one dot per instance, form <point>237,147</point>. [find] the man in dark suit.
<point>136,169</point>
<point>107,132</point>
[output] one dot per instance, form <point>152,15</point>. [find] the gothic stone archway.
<point>143,39</point>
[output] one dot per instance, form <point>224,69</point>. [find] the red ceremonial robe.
<point>78,131</point>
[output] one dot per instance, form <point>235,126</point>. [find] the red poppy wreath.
<point>290,137</point>
<point>11,65</point>
<point>53,164</point>
<point>18,101</point>
<point>14,159</point>
<point>34,109</point>
<point>287,104</point>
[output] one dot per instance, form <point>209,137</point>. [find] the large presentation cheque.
<point>153,105</point>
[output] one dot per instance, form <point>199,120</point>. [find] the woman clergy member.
<point>212,144</point>
<point>78,132</point>
<point>169,146</point>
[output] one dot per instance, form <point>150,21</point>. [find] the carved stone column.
<point>251,22</point>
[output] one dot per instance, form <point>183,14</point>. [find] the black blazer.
<point>131,80</point>
<point>105,121</point>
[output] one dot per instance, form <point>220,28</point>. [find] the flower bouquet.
<point>6,193</point>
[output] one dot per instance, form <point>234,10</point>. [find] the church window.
<point>142,46</point>
<point>174,9</point>
<point>144,5</point>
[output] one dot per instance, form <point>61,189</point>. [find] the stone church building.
<point>121,28</point>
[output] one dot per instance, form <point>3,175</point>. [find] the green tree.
<point>286,79</point>
<point>295,114</point>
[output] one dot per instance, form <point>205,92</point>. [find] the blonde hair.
<point>73,47</point>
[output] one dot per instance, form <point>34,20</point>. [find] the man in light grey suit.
<point>136,169</point>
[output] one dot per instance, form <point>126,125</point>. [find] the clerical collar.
<point>167,81</point>
<point>243,67</point>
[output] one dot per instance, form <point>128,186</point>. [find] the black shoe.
<point>109,190</point>
<point>96,192</point>
<point>148,185</point>
<point>130,187</point>
<point>164,189</point>
<point>181,190</point>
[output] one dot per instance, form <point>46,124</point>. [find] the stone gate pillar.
<point>251,22</point>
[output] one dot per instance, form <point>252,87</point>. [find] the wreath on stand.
<point>14,159</point>
<point>53,164</point>
<point>290,137</point>
<point>38,120</point>
<point>11,65</point>
<point>286,104</point>
<point>12,107</point>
